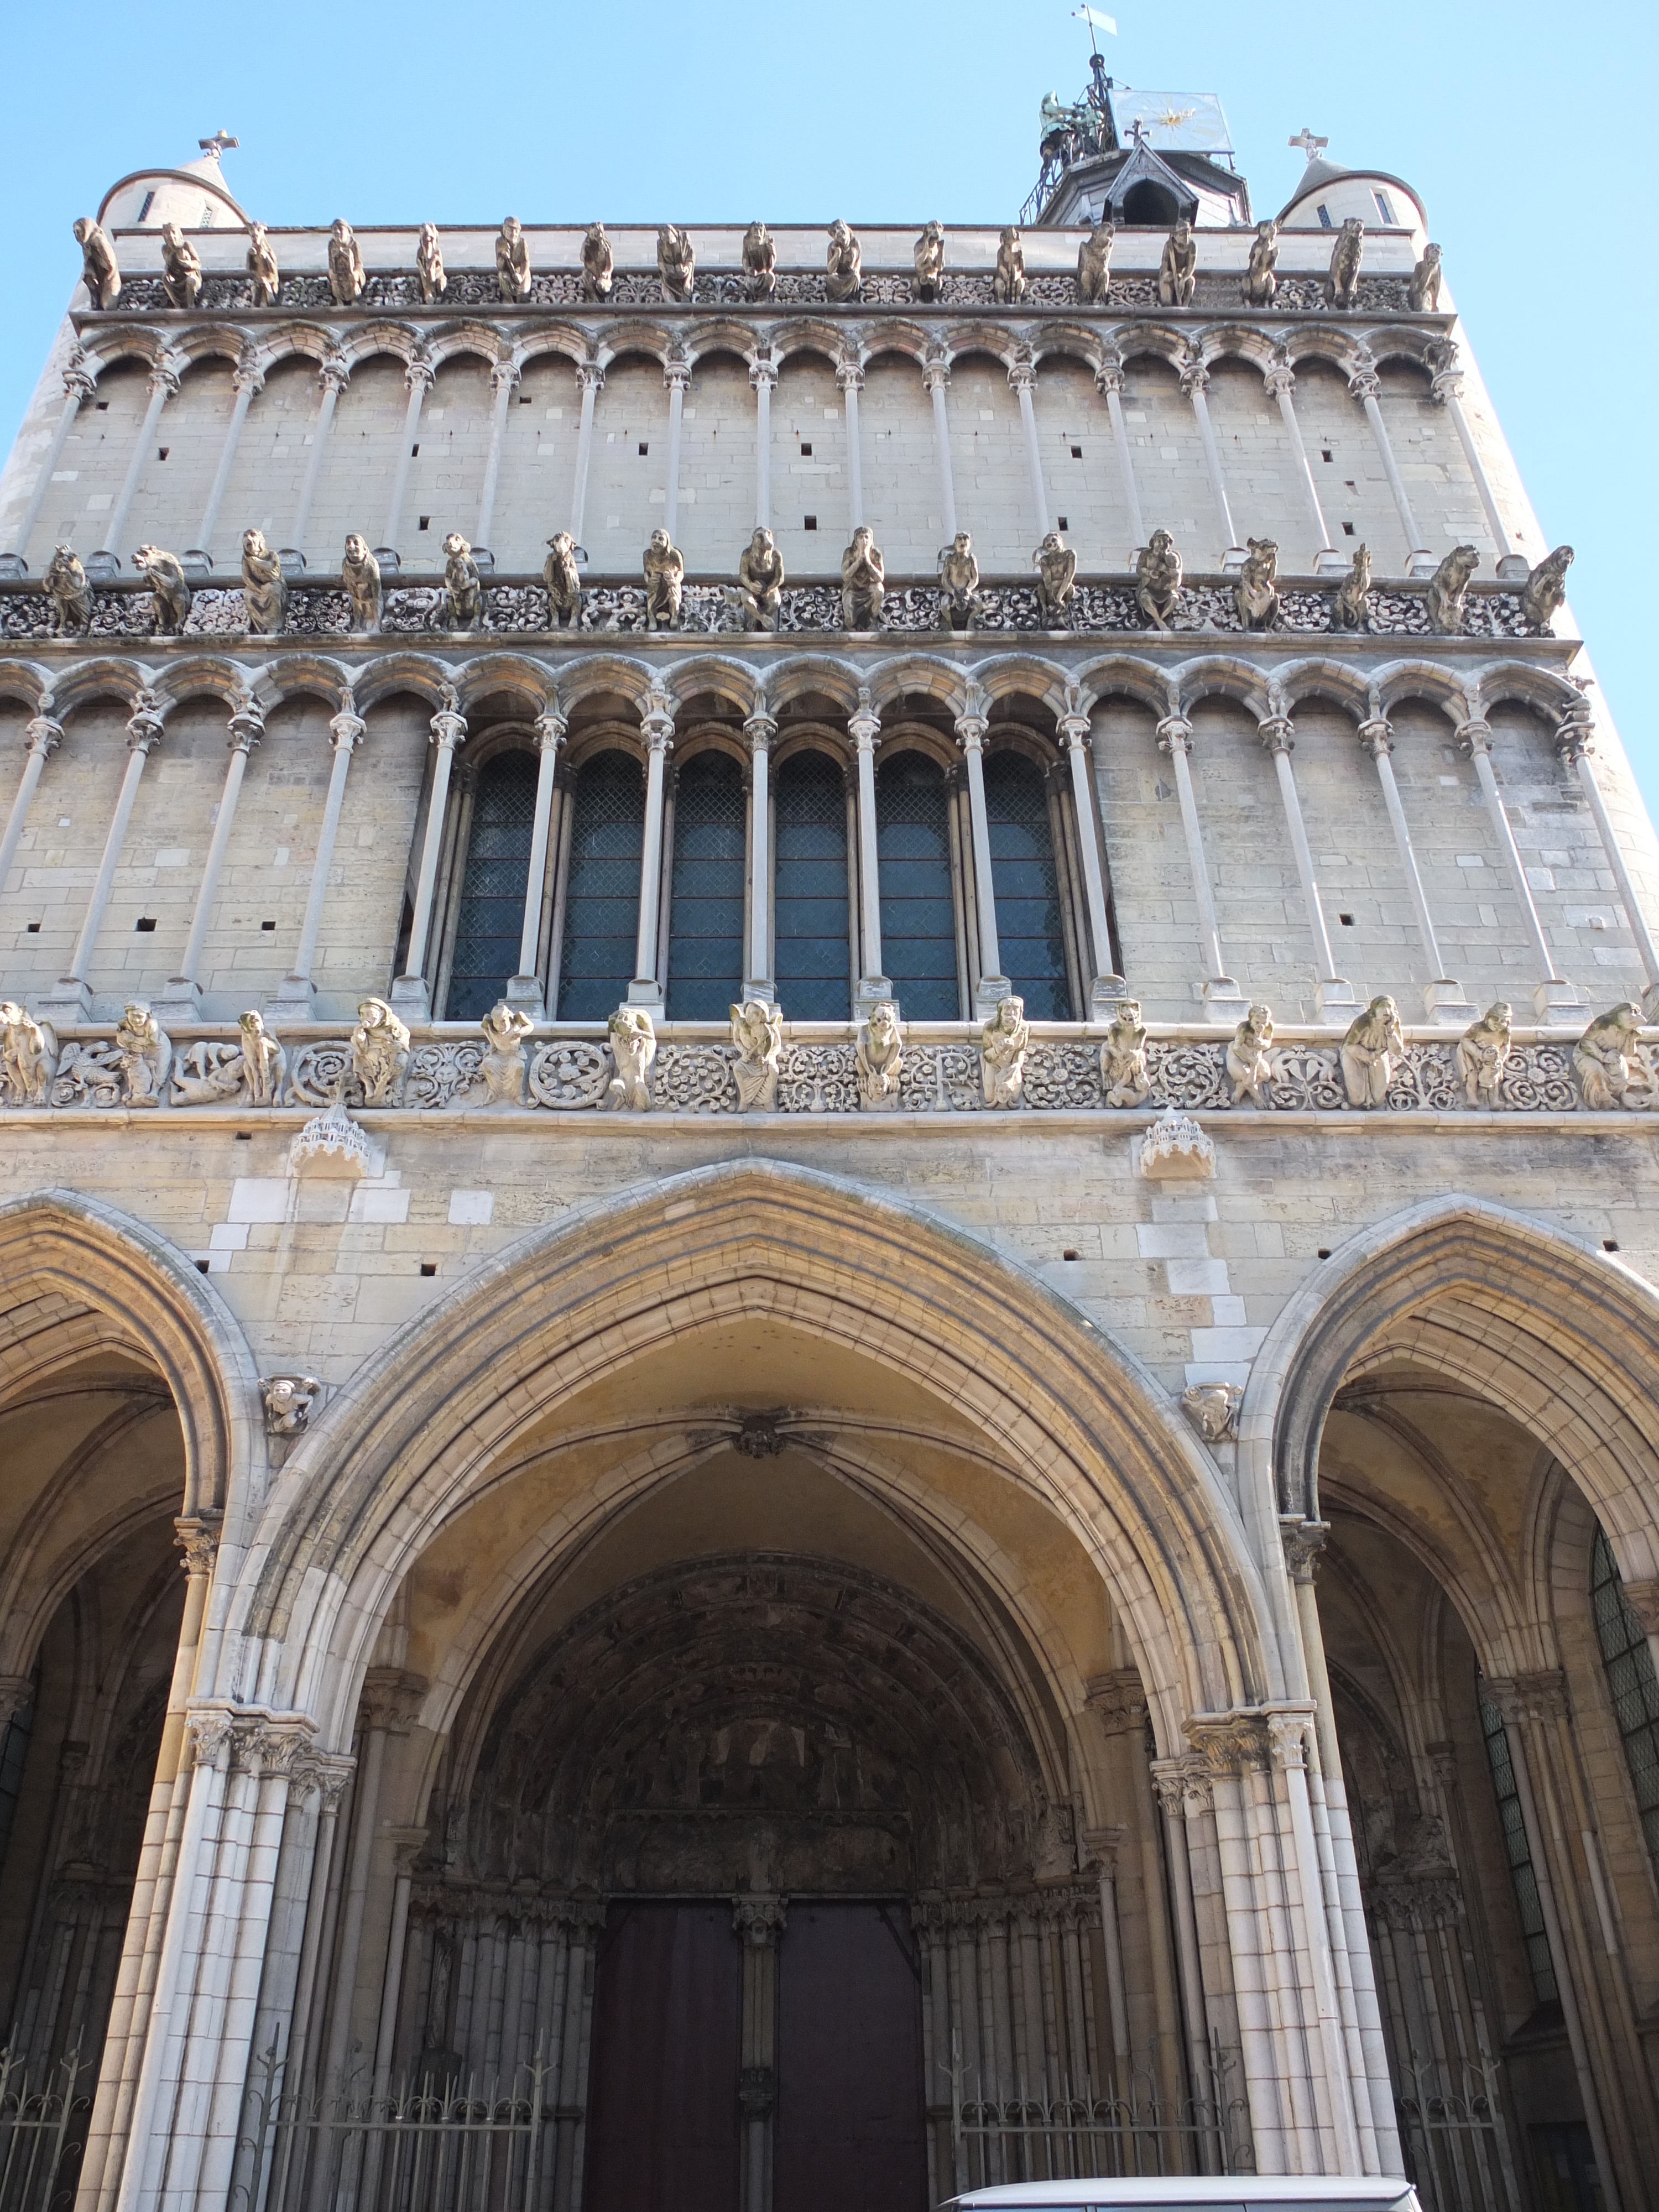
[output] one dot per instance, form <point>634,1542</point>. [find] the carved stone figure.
<point>380,1052</point>
<point>1175,1149</point>
<point>65,585</point>
<point>1257,589</point>
<point>1177,272</point>
<point>1260,277</point>
<point>1546,588</point>
<point>462,584</point>
<point>171,594</point>
<point>429,265</point>
<point>1213,1409</point>
<point>1248,1065</point>
<point>1350,601</point>
<point>252,1070</point>
<point>143,1054</point>
<point>346,274</point>
<point>929,282</point>
<point>289,1400</point>
<point>1423,293</point>
<point>513,261</point>
<point>1094,266</point>
<point>1342,284</point>
<point>878,1059</point>
<point>262,266</point>
<point>263,1062</point>
<point>1003,1043</point>
<point>1123,1072</point>
<point>1057,567</point>
<point>759,591</point>
<point>504,1065</point>
<point>1008,279</point>
<point>757,1033</point>
<point>633,1048</point>
<point>664,581</point>
<point>1447,588</point>
<point>958,579</point>
<point>360,572</point>
<point>677,262</point>
<point>98,271</point>
<point>1482,1054</point>
<point>564,581</point>
<point>760,262</point>
<point>598,265</point>
<point>181,268</point>
<point>1370,1052</point>
<point>28,1056</point>
<point>264,588</point>
<point>843,273</point>
<point>863,581</point>
<point>1157,579</point>
<point>1610,1061</point>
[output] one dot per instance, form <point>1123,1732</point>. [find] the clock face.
<point>1191,122</point>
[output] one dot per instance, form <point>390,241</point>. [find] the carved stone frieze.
<point>1118,1701</point>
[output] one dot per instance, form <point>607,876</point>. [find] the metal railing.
<point>1451,2128</point>
<point>43,2129</point>
<point>1076,2132</point>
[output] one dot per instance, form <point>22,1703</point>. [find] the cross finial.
<point>1310,146</point>
<point>220,143</point>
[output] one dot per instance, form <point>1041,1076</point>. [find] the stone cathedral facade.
<point>848,1105</point>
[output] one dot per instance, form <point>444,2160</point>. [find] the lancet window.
<point>1523,1878</point>
<point>601,887</point>
<point>1631,1684</point>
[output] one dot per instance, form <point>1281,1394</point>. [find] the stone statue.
<point>760,262</point>
<point>928,283</point>
<point>1008,281</point>
<point>429,265</point>
<point>1350,606</point>
<point>289,1400</point>
<point>171,593</point>
<point>564,581</point>
<point>1094,264</point>
<point>1483,1054</point>
<point>1342,285</point>
<point>463,586</point>
<point>1256,592</point>
<point>181,268</point>
<point>1546,588</point>
<point>65,585</point>
<point>263,1062</point>
<point>513,261</point>
<point>98,271</point>
<point>1423,293</point>
<point>1123,1072</point>
<point>143,1054</point>
<point>958,582</point>
<point>760,581</point>
<point>360,572</point>
<point>1003,1044</point>
<point>1057,567</point>
<point>1157,579</point>
<point>1213,1409</point>
<point>676,263</point>
<point>633,1048</point>
<point>1369,1052</point>
<point>346,274</point>
<point>1447,589</point>
<point>262,267</point>
<point>504,1064</point>
<point>757,1033</point>
<point>598,265</point>
<point>1248,1065</point>
<point>843,274</point>
<point>28,1056</point>
<point>1610,1061</point>
<point>878,1057</point>
<point>379,1054</point>
<point>1177,272</point>
<point>863,581</point>
<point>264,588</point>
<point>1261,278</point>
<point>664,581</point>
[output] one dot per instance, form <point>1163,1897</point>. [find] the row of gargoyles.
<point>264,588</point>
<point>1177,273</point>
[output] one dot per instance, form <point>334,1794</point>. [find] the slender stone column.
<point>247,380</point>
<point>1109,380</point>
<point>163,383</point>
<point>1335,992</point>
<point>1104,986</point>
<point>1183,1790</point>
<point>763,376</point>
<point>525,989</point>
<point>994,985</point>
<point>502,379</point>
<point>79,385</point>
<point>1195,382</point>
<point>1280,381</point>
<point>1222,1000</point>
<point>333,377</point>
<point>1551,992</point>
<point>1447,388</point>
<point>865,729</point>
<point>70,995</point>
<point>1366,385</point>
<point>343,733</point>
<point>448,729</point>
<point>44,736</point>
<point>675,374</point>
<point>936,376</point>
<point>760,730</point>
<point>1443,999</point>
<point>1022,377</point>
<point>247,727</point>
<point>850,377</point>
<point>759,1922</point>
<point>657,722</point>
<point>419,376</point>
<point>1575,743</point>
<point>591,376</point>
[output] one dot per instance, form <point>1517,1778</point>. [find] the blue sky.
<point>1521,126</point>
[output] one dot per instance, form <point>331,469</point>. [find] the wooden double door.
<point>670,2113</point>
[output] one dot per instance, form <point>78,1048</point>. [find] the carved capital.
<point>323,1772</point>
<point>248,376</point>
<point>759,730</point>
<point>345,730</point>
<point>1195,377</point>
<point>1448,385</point>
<point>1474,736</point>
<point>503,377</point>
<point>936,376</point>
<point>1442,1763</point>
<point>198,1539</point>
<point>676,375</point>
<point>1289,1728</point>
<point>246,727</point>
<point>210,1728</point>
<point>591,376</point>
<point>164,380</point>
<point>1376,736</point>
<point>1237,1742</point>
<point>849,376</point>
<point>145,724</point>
<point>1108,377</point>
<point>391,1698</point>
<point>1279,379</point>
<point>1365,383</point>
<point>759,1921</point>
<point>1521,1698</point>
<point>1103,1845</point>
<point>448,727</point>
<point>551,727</point>
<point>970,732</point>
<point>1117,1700</point>
<point>1575,738</point>
<point>763,374</point>
<point>45,735</point>
<point>1642,1599</point>
<point>1175,734</point>
<point>80,382</point>
<point>1182,1784</point>
<point>1021,376</point>
<point>864,723</point>
<point>419,375</point>
<point>1304,1541</point>
<point>1074,733</point>
<point>334,374</point>
<point>1278,734</point>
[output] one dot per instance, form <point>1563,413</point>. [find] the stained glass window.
<point>1030,936</point>
<point>705,940</point>
<point>602,890</point>
<point>491,923</point>
<point>918,914</point>
<point>809,895</point>
<point>1517,1848</point>
<point>1629,1664</point>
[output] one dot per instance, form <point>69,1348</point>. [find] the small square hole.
<point>267,925</point>
<point>1076,452</point>
<point>1347,530</point>
<point>161,451</point>
<point>425,522</point>
<point>1324,1252</point>
<point>413,451</point>
<point>1062,523</point>
<point>1324,455</point>
<point>145,925</point>
<point>1347,921</point>
<point>245,1136</point>
<point>808,522</point>
<point>429,1267</point>
<point>1068,1256</point>
<point>645,447</point>
<point>806,449</point>
<point>525,399</point>
<point>32,929</point>
<point>1609,1243</point>
<point>102,405</point>
<point>201,1267</point>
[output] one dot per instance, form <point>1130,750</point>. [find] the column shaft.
<point>143,731</point>
<point>1551,990</point>
<point>419,378</point>
<point>993,983</point>
<point>657,722</point>
<point>676,376</point>
<point>1194,380</point>
<point>1022,377</point>
<point>1574,743</point>
<point>763,376</point>
<point>164,381</point>
<point>502,379</point>
<point>344,730</point>
<point>246,728</point>
<point>249,380</point>
<point>525,989</point>
<point>1110,381</point>
<point>1365,384</point>
<point>333,377</point>
<point>937,377</point>
<point>77,386</point>
<point>1074,734</point>
<point>1442,998</point>
<point>850,377</point>
<point>590,378</point>
<point>1448,389</point>
<point>1175,737</point>
<point>44,735</point>
<point>1332,989</point>
<point>865,727</point>
<point>448,731</point>
<point>1280,386</point>
<point>760,730</point>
